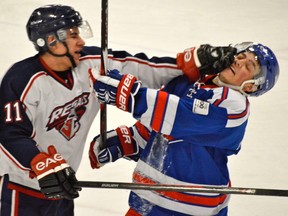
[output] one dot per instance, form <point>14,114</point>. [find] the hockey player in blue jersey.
<point>47,110</point>
<point>187,130</point>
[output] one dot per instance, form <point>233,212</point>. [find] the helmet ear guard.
<point>40,42</point>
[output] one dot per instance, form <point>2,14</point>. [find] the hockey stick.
<point>103,69</point>
<point>184,188</point>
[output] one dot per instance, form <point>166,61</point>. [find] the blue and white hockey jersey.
<point>196,126</point>
<point>40,109</point>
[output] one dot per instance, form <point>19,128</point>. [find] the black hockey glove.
<point>215,59</point>
<point>56,178</point>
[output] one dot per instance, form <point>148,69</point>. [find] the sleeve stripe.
<point>25,92</point>
<point>134,59</point>
<point>170,114</point>
<point>224,96</point>
<point>159,111</point>
<point>142,131</point>
<point>240,115</point>
<point>151,64</point>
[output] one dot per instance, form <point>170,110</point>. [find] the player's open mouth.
<point>77,54</point>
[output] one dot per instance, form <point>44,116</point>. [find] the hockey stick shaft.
<point>184,188</point>
<point>103,69</point>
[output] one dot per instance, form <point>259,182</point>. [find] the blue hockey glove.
<point>120,143</point>
<point>115,88</point>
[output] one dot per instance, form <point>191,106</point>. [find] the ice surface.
<point>165,27</point>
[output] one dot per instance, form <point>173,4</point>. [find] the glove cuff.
<point>196,59</point>
<point>123,92</point>
<point>44,164</point>
<point>187,62</point>
<point>126,140</point>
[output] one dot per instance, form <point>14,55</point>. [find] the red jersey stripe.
<point>159,110</point>
<point>201,200</point>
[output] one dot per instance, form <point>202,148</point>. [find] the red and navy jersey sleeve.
<point>153,72</point>
<point>16,129</point>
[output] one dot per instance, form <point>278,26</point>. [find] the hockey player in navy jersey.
<point>47,109</point>
<point>187,130</point>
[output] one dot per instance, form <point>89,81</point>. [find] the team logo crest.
<point>70,126</point>
<point>66,118</point>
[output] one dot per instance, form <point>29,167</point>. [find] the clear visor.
<point>85,30</point>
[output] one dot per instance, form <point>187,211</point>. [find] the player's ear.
<point>51,40</point>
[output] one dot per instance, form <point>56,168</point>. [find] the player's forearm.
<point>153,72</point>
<point>19,151</point>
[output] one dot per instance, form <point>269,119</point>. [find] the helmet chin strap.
<point>71,60</point>
<point>66,54</point>
<point>237,88</point>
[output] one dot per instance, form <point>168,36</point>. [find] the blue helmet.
<point>51,19</point>
<point>269,73</point>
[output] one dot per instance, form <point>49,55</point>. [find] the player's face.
<point>75,43</point>
<point>245,67</point>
